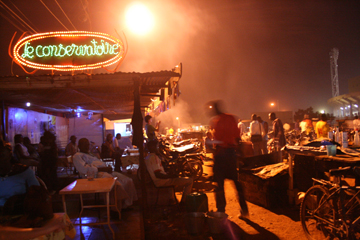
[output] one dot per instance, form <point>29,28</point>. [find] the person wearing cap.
<point>226,138</point>
<point>150,129</point>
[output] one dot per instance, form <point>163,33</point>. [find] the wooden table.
<point>98,185</point>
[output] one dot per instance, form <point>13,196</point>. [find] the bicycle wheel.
<point>193,169</point>
<point>352,212</point>
<point>316,213</point>
<point>196,168</point>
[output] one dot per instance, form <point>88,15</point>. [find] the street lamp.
<point>177,118</point>
<point>277,103</point>
<point>139,18</point>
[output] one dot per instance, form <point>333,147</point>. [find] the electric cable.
<point>9,9</point>
<point>10,21</point>
<point>65,15</point>
<point>37,30</point>
<point>87,14</point>
<point>53,15</point>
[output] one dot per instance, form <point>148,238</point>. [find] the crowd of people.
<point>26,164</point>
<point>224,135</point>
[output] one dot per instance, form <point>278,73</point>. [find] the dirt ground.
<point>279,223</point>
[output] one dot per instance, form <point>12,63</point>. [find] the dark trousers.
<point>118,164</point>
<point>225,168</point>
<point>48,174</point>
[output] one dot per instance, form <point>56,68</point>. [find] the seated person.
<point>160,177</point>
<point>86,163</point>
<point>15,178</point>
<point>21,152</point>
<point>124,142</point>
<point>71,148</point>
<point>31,149</point>
<point>107,151</point>
<point>94,149</point>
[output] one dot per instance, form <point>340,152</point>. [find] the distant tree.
<point>299,114</point>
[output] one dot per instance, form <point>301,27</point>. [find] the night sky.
<point>247,53</point>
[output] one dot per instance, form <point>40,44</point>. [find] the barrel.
<point>195,222</point>
<point>197,202</point>
<point>217,222</point>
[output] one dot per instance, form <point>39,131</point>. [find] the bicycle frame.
<point>337,191</point>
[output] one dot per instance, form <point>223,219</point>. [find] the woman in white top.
<point>256,134</point>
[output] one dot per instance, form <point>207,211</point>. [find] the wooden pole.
<point>138,140</point>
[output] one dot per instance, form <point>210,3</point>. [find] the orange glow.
<point>139,19</point>
<point>73,36</point>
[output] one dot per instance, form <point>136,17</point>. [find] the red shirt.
<point>226,129</point>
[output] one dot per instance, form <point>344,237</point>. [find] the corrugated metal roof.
<point>110,93</point>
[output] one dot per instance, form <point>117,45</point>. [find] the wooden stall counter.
<point>312,165</point>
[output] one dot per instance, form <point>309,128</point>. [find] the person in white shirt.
<point>86,163</point>
<point>265,135</point>
<point>115,142</point>
<point>124,142</point>
<point>356,123</point>
<point>256,134</point>
<point>306,125</point>
<point>242,128</point>
<point>160,177</point>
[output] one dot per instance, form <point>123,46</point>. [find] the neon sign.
<point>68,51</point>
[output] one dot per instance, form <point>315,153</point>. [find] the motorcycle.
<point>181,161</point>
<point>307,136</point>
<point>292,138</point>
<point>185,160</point>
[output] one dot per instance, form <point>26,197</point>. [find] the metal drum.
<point>197,202</point>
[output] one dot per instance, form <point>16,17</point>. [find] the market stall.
<point>314,162</point>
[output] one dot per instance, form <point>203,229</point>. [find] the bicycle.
<point>330,209</point>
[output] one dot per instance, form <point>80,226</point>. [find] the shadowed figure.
<point>226,138</point>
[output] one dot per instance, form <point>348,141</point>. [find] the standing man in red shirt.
<point>226,138</point>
